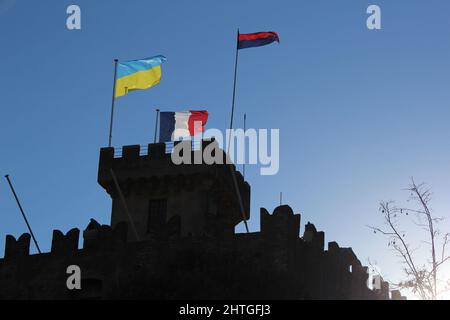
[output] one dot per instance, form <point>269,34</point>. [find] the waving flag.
<point>138,74</point>
<point>258,39</point>
<point>183,123</point>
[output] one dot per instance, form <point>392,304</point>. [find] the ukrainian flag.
<point>138,74</point>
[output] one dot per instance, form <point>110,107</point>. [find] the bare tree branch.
<point>423,281</point>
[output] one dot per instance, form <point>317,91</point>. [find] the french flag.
<point>181,124</point>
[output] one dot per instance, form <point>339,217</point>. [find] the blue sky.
<point>359,111</point>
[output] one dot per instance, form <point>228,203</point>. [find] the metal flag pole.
<point>281,198</point>
<point>234,89</point>
<point>116,61</point>
<point>233,172</point>
<point>156,123</point>
<point>23,213</point>
<point>245,129</point>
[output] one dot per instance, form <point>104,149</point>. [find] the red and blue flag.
<point>258,39</point>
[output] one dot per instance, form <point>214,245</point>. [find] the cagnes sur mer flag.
<point>138,74</point>
<point>258,39</point>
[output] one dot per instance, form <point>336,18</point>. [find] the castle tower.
<point>165,199</point>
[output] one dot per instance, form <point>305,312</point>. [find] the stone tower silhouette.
<point>165,199</point>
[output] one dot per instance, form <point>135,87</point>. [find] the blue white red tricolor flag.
<point>181,124</point>
<point>258,39</point>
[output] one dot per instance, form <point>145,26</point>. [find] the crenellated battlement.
<point>137,162</point>
<point>282,223</point>
<point>154,167</point>
<point>62,244</point>
<point>274,256</point>
<point>103,237</point>
<point>316,238</point>
<point>65,243</point>
<point>16,249</point>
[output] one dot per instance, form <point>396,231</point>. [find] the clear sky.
<point>359,111</point>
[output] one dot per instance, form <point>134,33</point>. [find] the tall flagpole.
<point>23,213</point>
<point>245,129</point>
<point>234,89</point>
<point>233,173</point>
<point>116,61</point>
<point>156,124</point>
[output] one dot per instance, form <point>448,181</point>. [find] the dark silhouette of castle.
<point>174,239</point>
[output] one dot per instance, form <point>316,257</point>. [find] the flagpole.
<point>23,213</point>
<point>156,123</point>
<point>116,61</point>
<point>234,89</point>
<point>233,171</point>
<point>245,129</point>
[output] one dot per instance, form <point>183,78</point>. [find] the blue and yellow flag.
<point>138,74</point>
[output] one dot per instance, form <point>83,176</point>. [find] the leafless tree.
<point>423,279</point>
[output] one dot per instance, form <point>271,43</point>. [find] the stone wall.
<point>272,264</point>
